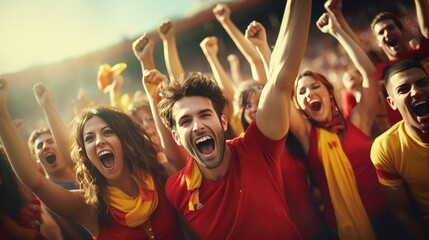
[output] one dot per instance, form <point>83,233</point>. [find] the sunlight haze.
<point>46,31</point>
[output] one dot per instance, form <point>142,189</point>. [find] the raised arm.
<point>18,154</point>
<point>143,50</point>
<point>422,11</point>
<point>234,63</point>
<point>61,201</point>
<point>176,155</point>
<point>167,33</point>
<point>223,15</point>
<point>363,114</point>
<point>256,34</point>
<point>209,45</point>
<point>58,128</point>
<point>335,7</point>
<point>19,125</point>
<point>273,112</point>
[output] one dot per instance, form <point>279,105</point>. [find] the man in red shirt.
<point>234,189</point>
<point>392,38</point>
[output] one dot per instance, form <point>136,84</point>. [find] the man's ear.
<point>176,137</point>
<point>391,103</point>
<point>224,122</point>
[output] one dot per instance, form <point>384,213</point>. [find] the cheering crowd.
<point>287,154</point>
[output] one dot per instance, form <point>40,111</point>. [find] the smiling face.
<point>250,106</point>
<point>409,93</point>
<point>47,152</point>
<point>104,149</point>
<point>391,39</point>
<point>199,129</point>
<point>314,99</point>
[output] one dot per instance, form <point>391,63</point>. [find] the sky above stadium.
<point>47,31</point>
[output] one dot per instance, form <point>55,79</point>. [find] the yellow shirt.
<point>399,158</point>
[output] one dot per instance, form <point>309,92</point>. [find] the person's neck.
<point>64,175</point>
<point>408,50</point>
<point>127,185</point>
<point>216,174</point>
<point>421,135</point>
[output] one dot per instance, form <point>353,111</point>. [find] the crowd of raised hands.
<point>286,154</point>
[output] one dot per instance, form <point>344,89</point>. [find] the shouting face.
<point>314,99</point>
<point>199,129</point>
<point>409,93</point>
<point>47,152</point>
<point>104,149</point>
<point>391,39</point>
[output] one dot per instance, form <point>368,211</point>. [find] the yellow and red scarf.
<point>193,179</point>
<point>337,124</point>
<point>352,220</point>
<point>134,211</point>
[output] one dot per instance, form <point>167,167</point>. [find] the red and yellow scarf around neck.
<point>193,179</point>
<point>336,125</point>
<point>134,211</point>
<point>352,220</point>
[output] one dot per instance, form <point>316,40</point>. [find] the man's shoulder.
<point>420,55</point>
<point>391,135</point>
<point>175,181</point>
<point>384,148</point>
<point>381,69</point>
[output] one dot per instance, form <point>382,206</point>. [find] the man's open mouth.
<point>51,158</point>
<point>392,42</point>
<point>205,145</point>
<point>421,108</point>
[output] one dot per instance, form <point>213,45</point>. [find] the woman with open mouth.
<point>122,184</point>
<point>338,149</point>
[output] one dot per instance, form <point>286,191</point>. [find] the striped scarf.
<point>133,211</point>
<point>193,179</point>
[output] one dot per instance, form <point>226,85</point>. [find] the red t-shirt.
<point>357,147</point>
<point>422,55</point>
<point>164,220</point>
<point>248,202</point>
<point>298,197</point>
